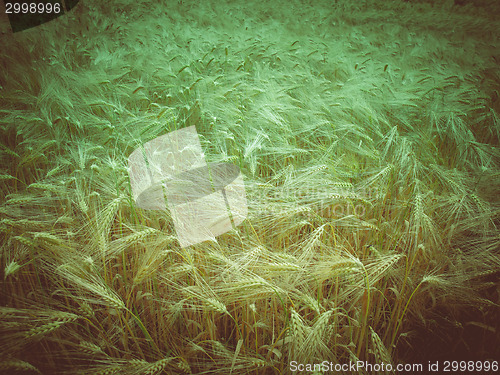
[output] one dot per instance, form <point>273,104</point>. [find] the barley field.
<point>367,133</point>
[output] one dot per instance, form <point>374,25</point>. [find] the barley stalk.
<point>44,329</point>
<point>16,365</point>
<point>90,348</point>
<point>380,351</point>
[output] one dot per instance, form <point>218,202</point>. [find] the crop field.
<point>367,134</point>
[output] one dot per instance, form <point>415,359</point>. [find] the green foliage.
<point>368,135</point>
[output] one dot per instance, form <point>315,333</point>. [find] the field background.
<point>367,132</point>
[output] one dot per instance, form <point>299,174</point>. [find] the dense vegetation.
<point>367,132</point>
